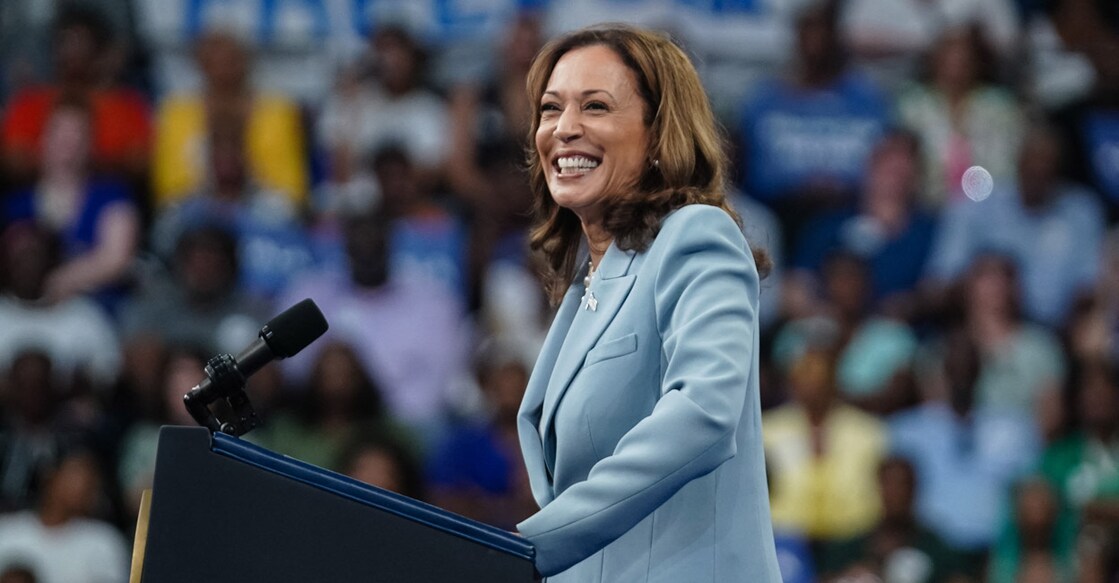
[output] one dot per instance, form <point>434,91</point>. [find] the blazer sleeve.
<point>705,304</point>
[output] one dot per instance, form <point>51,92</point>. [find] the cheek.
<point>543,142</point>
<point>632,153</point>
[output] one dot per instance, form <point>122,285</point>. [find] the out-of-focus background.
<point>937,180</point>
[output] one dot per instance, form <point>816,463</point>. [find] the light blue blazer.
<point>641,424</point>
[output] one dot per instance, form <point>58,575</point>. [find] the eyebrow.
<point>586,93</point>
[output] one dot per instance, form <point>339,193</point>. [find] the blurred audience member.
<point>271,242</point>
<point>1090,126</point>
<point>18,574</point>
<point>119,128</point>
<point>388,105</point>
<point>887,229</point>
<point>485,164</point>
<point>873,353</point>
<point>900,548</point>
<point>1083,467</point>
<point>477,470</point>
<point>96,219</point>
<point>340,402</point>
<point>807,136</point>
<point>385,461</point>
<point>1093,327</point>
<point>429,240</point>
<point>408,334</point>
<point>198,303</point>
<point>492,116</point>
<point>60,540</point>
<point>1033,547</point>
<point>75,333</point>
<point>823,455</point>
<point>1052,229</point>
<point>1056,42</point>
<point>966,455</point>
<point>182,370</point>
<point>889,36</point>
<point>1021,365</point>
<point>271,144</point>
<point>36,428</point>
<point>961,115</point>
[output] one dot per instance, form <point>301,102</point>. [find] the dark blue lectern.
<point>223,509</point>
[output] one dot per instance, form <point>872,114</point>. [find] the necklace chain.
<point>589,276</point>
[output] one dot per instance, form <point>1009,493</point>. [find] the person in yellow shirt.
<point>274,139</point>
<point>823,456</point>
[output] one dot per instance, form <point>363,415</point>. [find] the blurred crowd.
<point>937,181</point>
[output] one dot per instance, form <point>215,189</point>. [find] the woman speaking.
<point>640,426</point>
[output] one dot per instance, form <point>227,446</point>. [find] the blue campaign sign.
<point>436,20</point>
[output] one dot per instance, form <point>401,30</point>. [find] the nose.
<point>568,126</point>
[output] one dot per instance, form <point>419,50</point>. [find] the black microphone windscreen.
<point>294,329</point>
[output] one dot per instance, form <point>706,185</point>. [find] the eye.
<point>596,106</point>
<point>549,107</point>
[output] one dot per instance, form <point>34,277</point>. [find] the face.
<point>75,52</point>
<point>223,60</point>
<point>990,285</point>
<point>338,373</point>
<point>893,173</point>
<point>592,140</point>
<point>75,484</point>
<point>396,62</point>
<point>955,60</point>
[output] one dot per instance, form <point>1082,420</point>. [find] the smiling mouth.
<point>575,165</point>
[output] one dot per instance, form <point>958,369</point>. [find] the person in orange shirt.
<point>119,116</point>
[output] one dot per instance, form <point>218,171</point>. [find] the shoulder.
<point>99,535</point>
<point>861,86</point>
<point>1076,198</point>
<point>177,104</point>
<point>39,97</point>
<point>274,104</point>
<point>858,422</point>
<point>1037,339</point>
<point>994,96</point>
<point>698,229</point>
<point>698,222</point>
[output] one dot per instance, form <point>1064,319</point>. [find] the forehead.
<point>593,67</point>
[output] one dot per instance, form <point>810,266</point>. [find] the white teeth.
<point>576,163</point>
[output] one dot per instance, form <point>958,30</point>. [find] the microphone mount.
<point>227,384</point>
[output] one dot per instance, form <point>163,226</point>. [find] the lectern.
<point>223,509</point>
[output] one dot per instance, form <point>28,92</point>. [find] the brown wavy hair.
<point>687,153</point>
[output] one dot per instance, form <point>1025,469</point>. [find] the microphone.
<point>282,337</point>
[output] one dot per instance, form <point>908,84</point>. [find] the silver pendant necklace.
<point>589,301</point>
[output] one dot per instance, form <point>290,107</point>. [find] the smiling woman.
<point>592,139</point>
<point>640,425</point>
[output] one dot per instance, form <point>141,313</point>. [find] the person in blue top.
<point>806,135</point>
<point>641,423</point>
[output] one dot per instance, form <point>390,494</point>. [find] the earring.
<point>656,163</point>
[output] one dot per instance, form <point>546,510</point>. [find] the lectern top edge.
<point>347,487</point>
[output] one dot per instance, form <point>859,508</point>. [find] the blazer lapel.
<point>528,418</point>
<point>611,287</point>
